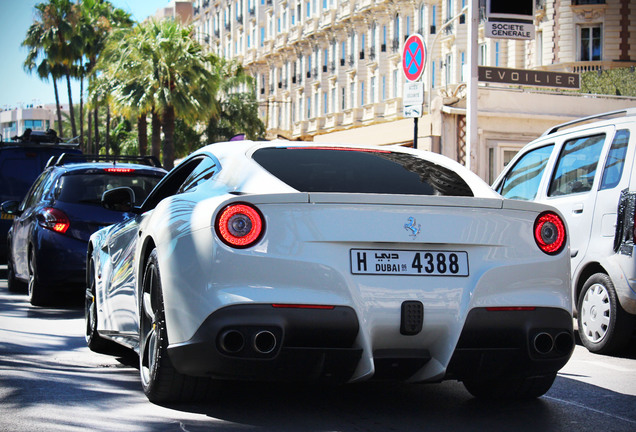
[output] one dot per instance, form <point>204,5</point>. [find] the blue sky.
<point>17,86</point>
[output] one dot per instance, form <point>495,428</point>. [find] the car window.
<point>348,170</point>
<point>523,179</point>
<point>172,183</point>
<point>615,162</point>
<point>204,171</point>
<point>37,190</point>
<point>576,166</point>
<point>88,188</point>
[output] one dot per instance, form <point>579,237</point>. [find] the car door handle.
<point>577,208</point>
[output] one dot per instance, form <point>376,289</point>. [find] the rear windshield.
<point>351,170</point>
<point>87,188</point>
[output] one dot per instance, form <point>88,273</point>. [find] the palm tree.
<point>159,67</point>
<point>51,37</point>
<point>238,110</point>
<point>98,18</point>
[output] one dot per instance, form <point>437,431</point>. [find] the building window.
<point>539,48</point>
<point>362,93</point>
<point>497,45</point>
<point>333,99</point>
<point>343,53</point>
<point>325,102</point>
<point>482,55</point>
<point>383,87</point>
<point>383,39</point>
<point>372,90</point>
<point>590,42</point>
<point>352,95</point>
<point>448,68</point>
<point>462,57</point>
<point>342,98</point>
<point>395,83</point>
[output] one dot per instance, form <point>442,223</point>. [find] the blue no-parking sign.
<point>414,57</point>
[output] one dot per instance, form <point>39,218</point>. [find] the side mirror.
<point>119,199</point>
<point>11,207</point>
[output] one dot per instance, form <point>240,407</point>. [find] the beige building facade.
<point>330,70</point>
<point>14,121</point>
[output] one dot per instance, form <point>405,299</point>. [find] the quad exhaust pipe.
<point>545,344</point>
<point>233,342</point>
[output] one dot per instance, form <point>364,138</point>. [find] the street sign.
<point>510,19</point>
<point>527,77</point>
<point>413,93</point>
<point>509,30</point>
<point>414,57</point>
<point>412,111</point>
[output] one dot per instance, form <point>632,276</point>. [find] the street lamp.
<point>428,60</point>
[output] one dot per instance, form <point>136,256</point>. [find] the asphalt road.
<point>50,381</point>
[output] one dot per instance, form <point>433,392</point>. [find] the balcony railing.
<point>396,45</point>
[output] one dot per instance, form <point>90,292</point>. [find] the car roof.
<point>597,120</point>
<point>232,149</point>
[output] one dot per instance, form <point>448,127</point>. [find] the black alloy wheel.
<point>36,290</point>
<point>161,382</point>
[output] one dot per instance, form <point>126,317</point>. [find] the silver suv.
<point>586,169</point>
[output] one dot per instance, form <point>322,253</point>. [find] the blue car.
<point>21,162</point>
<point>46,244</point>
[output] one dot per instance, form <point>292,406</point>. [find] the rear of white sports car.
<point>343,285</point>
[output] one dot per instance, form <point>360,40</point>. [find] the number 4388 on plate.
<point>409,263</point>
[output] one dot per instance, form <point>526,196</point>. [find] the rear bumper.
<point>503,343</point>
<point>264,343</point>
<point>261,342</point>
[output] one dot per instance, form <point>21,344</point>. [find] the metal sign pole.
<point>415,133</point>
<point>471,106</point>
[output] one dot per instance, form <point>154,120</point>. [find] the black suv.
<point>21,162</point>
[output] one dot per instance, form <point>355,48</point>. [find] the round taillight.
<point>239,225</point>
<point>549,233</point>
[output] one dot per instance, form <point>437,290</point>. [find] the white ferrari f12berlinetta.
<point>293,261</point>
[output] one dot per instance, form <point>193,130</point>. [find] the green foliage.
<point>238,115</point>
<point>186,139</point>
<point>619,82</point>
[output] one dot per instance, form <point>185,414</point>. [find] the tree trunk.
<point>81,115</point>
<point>60,130</point>
<point>142,134</point>
<point>71,108</point>
<point>156,135</point>
<point>89,143</point>
<point>96,125</point>
<point>167,125</point>
<point>107,128</point>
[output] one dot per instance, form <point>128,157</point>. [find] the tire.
<point>604,326</point>
<point>13,284</point>
<point>94,341</point>
<point>35,289</point>
<point>510,388</point>
<point>161,382</point>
